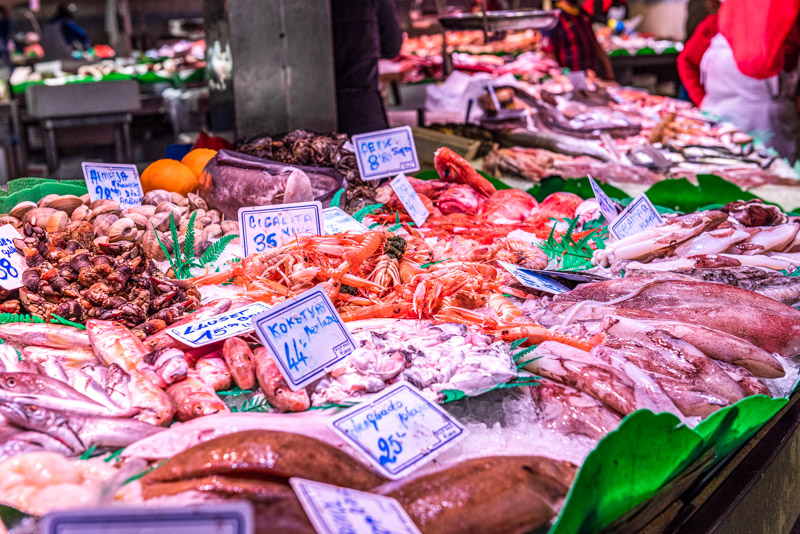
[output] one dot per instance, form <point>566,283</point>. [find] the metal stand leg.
<point>126,142</point>
<point>50,148</point>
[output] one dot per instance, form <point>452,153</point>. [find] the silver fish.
<point>35,384</point>
<point>89,387</point>
<point>77,431</point>
<point>45,335</point>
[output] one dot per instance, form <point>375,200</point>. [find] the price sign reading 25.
<point>266,227</point>
<point>386,153</point>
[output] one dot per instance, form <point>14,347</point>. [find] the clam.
<point>66,203</point>
<point>101,240</point>
<point>179,199</point>
<point>213,231</point>
<point>201,244</point>
<point>196,202</point>
<point>81,213</point>
<point>103,202</point>
<point>123,229</point>
<point>139,220</point>
<point>160,221</point>
<point>103,223</point>
<point>156,197</point>
<point>145,209</point>
<point>8,219</point>
<point>85,198</point>
<point>44,202</point>
<point>38,216</point>
<point>21,209</point>
<point>169,207</point>
<point>108,207</point>
<point>151,246</point>
<point>230,227</point>
<point>214,216</point>
<point>57,221</point>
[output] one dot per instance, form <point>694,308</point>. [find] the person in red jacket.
<point>694,50</point>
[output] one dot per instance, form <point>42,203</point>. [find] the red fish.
<point>453,168</point>
<point>275,388</point>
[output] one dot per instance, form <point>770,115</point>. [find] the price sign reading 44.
<point>266,227</point>
<point>399,430</point>
<point>305,335</point>
<point>385,153</point>
<point>334,510</point>
<point>113,182</point>
<point>12,264</point>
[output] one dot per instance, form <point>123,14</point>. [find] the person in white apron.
<point>757,106</point>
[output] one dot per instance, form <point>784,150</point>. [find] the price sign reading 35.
<point>266,227</point>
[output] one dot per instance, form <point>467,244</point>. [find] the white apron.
<point>751,104</point>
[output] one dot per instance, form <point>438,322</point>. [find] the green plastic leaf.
<point>176,247</point>
<point>164,250</point>
<point>337,198</point>
<point>11,517</point>
<point>216,249</point>
<point>579,186</point>
<point>66,322</point>
<point>88,454</point>
<point>234,392</point>
<point>451,395</point>
<point>627,467</point>
<point>518,342</point>
<point>366,210</point>
<point>254,404</point>
<point>113,456</point>
<point>19,318</point>
<point>683,196</point>
<point>188,241</point>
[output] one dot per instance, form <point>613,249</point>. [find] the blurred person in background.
<point>692,54</point>
<point>5,37</point>
<point>363,32</point>
<point>573,42</point>
<point>61,35</point>
<point>749,70</point>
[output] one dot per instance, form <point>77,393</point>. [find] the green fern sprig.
<point>188,242</point>
<point>254,404</point>
<point>213,252</point>
<point>6,318</point>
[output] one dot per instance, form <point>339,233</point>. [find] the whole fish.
<point>275,388</point>
<point>53,369</point>
<point>35,384</point>
<point>86,385</point>
<point>161,340</point>
<point>113,343</point>
<point>214,372</point>
<point>56,403</point>
<point>194,398</point>
<point>239,358</point>
<point>268,455</point>
<point>154,405</point>
<point>75,358</point>
<point>506,494</point>
<point>77,431</point>
<point>117,385</point>
<point>182,436</point>
<point>55,336</point>
<point>10,361</point>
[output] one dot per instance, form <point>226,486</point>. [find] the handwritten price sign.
<point>385,153</point>
<point>266,227</point>
<point>338,221</point>
<point>12,264</point>
<point>219,327</point>
<point>410,199</point>
<point>637,217</point>
<point>399,430</point>
<point>305,335</point>
<point>335,510</point>
<point>113,182</point>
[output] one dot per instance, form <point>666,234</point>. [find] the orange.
<point>197,159</point>
<point>169,174</point>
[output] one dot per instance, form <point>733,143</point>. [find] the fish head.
<point>27,414</point>
<point>203,407</point>
<point>15,382</point>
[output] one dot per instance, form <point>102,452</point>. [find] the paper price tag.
<point>607,206</point>
<point>305,335</point>
<point>228,518</point>
<point>410,199</point>
<point>334,510</point>
<point>266,227</point>
<point>578,80</point>
<point>399,430</point>
<point>638,216</point>
<point>534,280</point>
<point>12,264</point>
<point>219,327</point>
<point>113,182</point>
<point>338,221</point>
<point>385,153</point>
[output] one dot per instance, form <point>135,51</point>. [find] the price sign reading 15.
<point>266,227</point>
<point>386,153</point>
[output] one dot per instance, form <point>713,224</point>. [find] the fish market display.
<point>102,403</point>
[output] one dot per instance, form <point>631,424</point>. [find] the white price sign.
<point>334,510</point>
<point>399,430</point>
<point>410,199</point>
<point>385,153</point>
<point>113,182</point>
<point>219,327</point>
<point>12,264</point>
<point>607,206</point>
<point>534,280</point>
<point>305,336</point>
<point>637,217</point>
<point>266,227</point>
<point>338,221</point>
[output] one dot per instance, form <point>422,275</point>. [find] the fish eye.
<point>198,409</point>
<point>11,382</point>
<point>32,409</point>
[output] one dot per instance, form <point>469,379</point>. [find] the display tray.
<point>501,20</point>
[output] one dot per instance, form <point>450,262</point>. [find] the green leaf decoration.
<point>164,250</point>
<point>451,395</point>
<point>579,186</point>
<point>11,517</point>
<point>6,318</point>
<point>627,467</point>
<point>366,210</point>
<point>113,456</point>
<point>337,199</point>
<point>188,241</point>
<point>683,196</point>
<point>213,252</point>
<point>518,342</point>
<point>67,322</point>
<point>234,392</point>
<point>426,265</point>
<point>254,404</point>
<point>332,405</point>
<point>570,254</point>
<point>176,247</point>
<point>88,454</point>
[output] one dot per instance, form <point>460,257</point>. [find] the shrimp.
<point>505,309</point>
<point>535,334</point>
<point>355,257</point>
